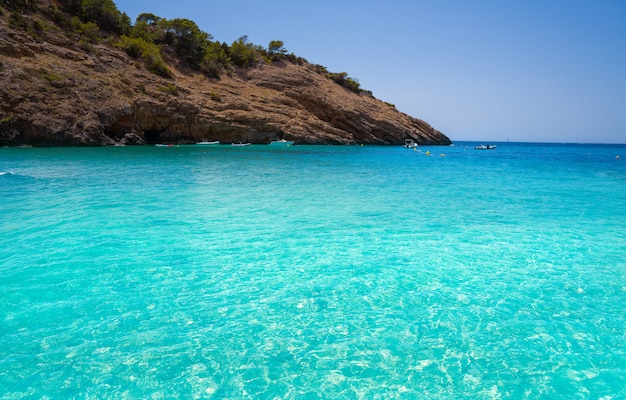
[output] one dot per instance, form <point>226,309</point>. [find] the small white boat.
<point>214,143</point>
<point>483,147</point>
<point>241,144</point>
<point>281,142</point>
<point>409,144</point>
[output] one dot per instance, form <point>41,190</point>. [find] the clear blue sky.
<point>485,70</point>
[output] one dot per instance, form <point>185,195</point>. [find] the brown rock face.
<point>55,92</point>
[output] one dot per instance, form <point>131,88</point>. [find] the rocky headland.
<point>60,88</point>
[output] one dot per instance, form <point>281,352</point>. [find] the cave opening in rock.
<point>153,136</point>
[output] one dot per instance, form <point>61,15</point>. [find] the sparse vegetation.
<point>30,24</point>
<point>103,13</point>
<point>242,52</point>
<point>215,96</point>
<point>17,21</point>
<point>85,44</point>
<point>149,52</point>
<point>50,76</point>
<point>21,76</point>
<point>169,89</point>
<point>37,26</point>
<point>320,69</point>
<point>151,38</point>
<point>275,50</point>
<point>344,80</point>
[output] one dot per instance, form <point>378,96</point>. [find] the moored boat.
<point>205,143</point>
<point>483,147</point>
<point>241,144</point>
<point>281,142</point>
<point>409,144</point>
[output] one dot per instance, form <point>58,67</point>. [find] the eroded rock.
<point>57,93</point>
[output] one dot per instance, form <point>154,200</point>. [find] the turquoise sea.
<point>313,272</point>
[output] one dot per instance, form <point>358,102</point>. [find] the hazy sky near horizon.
<point>485,70</point>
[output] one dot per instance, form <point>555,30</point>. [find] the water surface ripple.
<point>313,272</point>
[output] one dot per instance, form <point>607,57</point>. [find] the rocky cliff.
<point>58,89</point>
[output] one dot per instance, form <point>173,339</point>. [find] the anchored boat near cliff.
<point>483,147</point>
<point>409,144</point>
<point>281,142</point>
<point>214,143</point>
<point>241,144</point>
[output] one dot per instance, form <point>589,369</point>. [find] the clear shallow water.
<point>313,272</point>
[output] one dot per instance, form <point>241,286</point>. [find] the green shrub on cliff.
<point>19,4</point>
<point>149,52</point>
<point>17,21</point>
<point>104,13</point>
<point>215,57</point>
<point>275,50</point>
<point>242,53</point>
<point>170,89</point>
<point>50,76</point>
<point>134,46</point>
<point>344,80</point>
<point>88,29</point>
<point>193,46</point>
<point>186,38</point>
